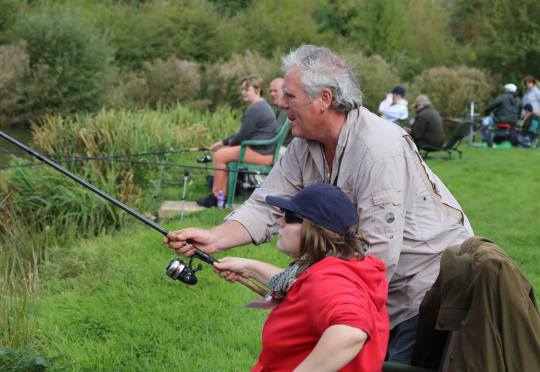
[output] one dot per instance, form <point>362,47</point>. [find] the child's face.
<point>289,237</point>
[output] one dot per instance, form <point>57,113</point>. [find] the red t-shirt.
<point>332,291</point>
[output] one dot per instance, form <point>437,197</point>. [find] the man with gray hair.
<point>406,212</point>
<point>427,129</point>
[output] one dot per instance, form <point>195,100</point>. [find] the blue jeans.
<point>402,341</point>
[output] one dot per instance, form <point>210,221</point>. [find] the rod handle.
<point>253,286</point>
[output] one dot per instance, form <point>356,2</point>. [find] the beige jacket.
<point>408,220</point>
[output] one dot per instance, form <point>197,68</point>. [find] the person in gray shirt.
<point>258,123</point>
<point>407,214</point>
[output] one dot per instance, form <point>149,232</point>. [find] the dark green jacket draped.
<point>489,307</point>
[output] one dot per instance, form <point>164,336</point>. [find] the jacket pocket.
<point>387,213</point>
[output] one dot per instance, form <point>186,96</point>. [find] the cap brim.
<point>280,203</point>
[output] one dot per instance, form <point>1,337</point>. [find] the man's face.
<point>276,91</point>
<point>303,115</point>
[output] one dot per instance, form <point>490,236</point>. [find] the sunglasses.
<point>292,217</point>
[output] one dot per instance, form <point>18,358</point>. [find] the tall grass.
<point>41,209</point>
<point>47,198</point>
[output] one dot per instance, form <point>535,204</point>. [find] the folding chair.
<point>241,165</point>
<point>461,132</point>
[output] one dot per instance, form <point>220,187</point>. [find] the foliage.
<point>69,59</point>
<point>162,83</point>
<point>452,89</point>
<point>171,81</point>
<point>189,29</point>
<point>9,10</point>
<point>24,361</point>
<point>391,29</point>
<point>129,92</point>
<point>14,69</point>
<point>502,35</point>
<point>272,27</point>
<point>427,41</point>
<point>223,79</point>
<point>376,78</point>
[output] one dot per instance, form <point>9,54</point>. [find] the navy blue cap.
<point>398,89</point>
<point>326,205</point>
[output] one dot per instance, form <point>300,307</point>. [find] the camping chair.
<point>240,164</point>
<point>462,131</point>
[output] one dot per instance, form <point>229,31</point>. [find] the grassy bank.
<point>106,304</point>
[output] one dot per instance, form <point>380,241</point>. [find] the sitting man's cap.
<point>528,107</point>
<point>422,99</point>
<point>398,89</point>
<point>325,205</point>
<point>510,88</point>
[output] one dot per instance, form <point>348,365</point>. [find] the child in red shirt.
<point>330,304</point>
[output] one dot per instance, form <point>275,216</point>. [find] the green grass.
<point>106,304</point>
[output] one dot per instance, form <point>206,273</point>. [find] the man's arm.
<point>381,191</point>
<point>338,345</point>
<point>227,235</point>
<point>418,128</point>
<point>397,111</point>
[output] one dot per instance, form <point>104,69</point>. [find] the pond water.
<point>21,134</point>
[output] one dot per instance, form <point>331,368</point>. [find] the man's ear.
<point>326,98</point>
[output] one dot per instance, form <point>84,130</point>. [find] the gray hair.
<point>321,69</point>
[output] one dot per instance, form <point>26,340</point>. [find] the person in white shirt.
<point>394,106</point>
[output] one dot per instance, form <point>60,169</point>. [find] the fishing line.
<point>142,162</point>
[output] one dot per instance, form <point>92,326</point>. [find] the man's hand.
<point>183,241</point>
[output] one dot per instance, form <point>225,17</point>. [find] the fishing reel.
<point>179,270</point>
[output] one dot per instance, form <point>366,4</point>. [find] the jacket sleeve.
<point>381,194</point>
<point>418,127</point>
<point>398,111</point>
<point>492,105</point>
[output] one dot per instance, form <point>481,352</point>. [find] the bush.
<point>171,81</point>
<point>452,89</point>
<point>69,62</point>
<point>222,80</point>
<point>189,29</point>
<point>130,91</point>
<point>162,83</point>
<point>376,78</point>
<point>14,68</point>
<point>271,27</point>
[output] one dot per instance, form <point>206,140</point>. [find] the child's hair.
<point>317,242</point>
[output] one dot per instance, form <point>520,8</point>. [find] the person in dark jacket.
<point>506,109</point>
<point>427,130</point>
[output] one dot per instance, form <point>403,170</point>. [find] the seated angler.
<point>258,123</point>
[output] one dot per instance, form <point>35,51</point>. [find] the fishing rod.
<point>176,269</point>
